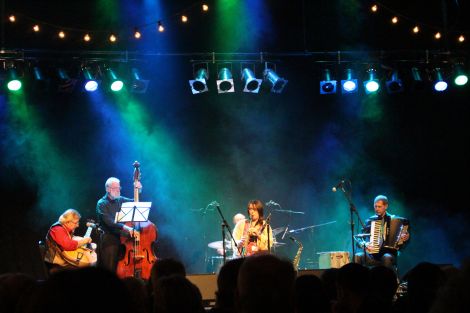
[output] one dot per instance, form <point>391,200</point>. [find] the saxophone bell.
<point>296,260</point>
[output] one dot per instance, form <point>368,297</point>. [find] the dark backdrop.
<point>57,150</point>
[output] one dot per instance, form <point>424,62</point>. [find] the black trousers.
<point>108,256</point>
<point>386,259</point>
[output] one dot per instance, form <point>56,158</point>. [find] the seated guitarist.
<point>253,235</point>
<point>59,238</point>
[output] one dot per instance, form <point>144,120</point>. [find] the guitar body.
<point>251,248</point>
<point>81,257</point>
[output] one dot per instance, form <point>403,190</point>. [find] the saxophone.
<point>296,259</point>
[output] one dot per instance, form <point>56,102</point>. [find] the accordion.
<point>387,233</point>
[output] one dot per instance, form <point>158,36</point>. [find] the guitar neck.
<point>266,222</point>
<point>88,232</point>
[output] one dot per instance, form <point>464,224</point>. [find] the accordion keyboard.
<point>376,238</point>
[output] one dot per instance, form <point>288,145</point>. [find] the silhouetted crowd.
<point>256,284</point>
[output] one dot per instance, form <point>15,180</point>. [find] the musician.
<point>386,256</point>
<point>236,218</point>
<point>60,238</point>
<point>253,235</point>
<point>106,209</point>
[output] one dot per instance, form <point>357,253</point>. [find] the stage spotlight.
<point>371,85</point>
<point>327,86</point>
<point>349,85</point>
<point>277,83</point>
<point>65,84</point>
<point>115,84</point>
<point>461,77</point>
<point>225,81</point>
<point>13,81</point>
<point>138,85</point>
<point>199,83</point>
<point>417,80</point>
<point>40,83</point>
<point>394,84</point>
<point>252,84</point>
<point>90,83</point>
<point>439,83</point>
<point>37,74</point>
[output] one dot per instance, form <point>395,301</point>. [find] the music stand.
<point>133,212</point>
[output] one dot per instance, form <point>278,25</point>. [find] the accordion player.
<point>386,235</point>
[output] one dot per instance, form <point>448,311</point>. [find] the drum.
<point>333,259</point>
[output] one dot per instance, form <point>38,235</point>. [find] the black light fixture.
<point>201,75</point>
<point>277,83</point>
<point>115,83</point>
<point>65,84</point>
<point>440,83</point>
<point>138,84</point>
<point>460,75</point>
<point>349,83</point>
<point>250,82</point>
<point>394,84</point>
<point>417,81</point>
<point>327,85</point>
<point>13,80</point>
<point>225,81</point>
<point>371,84</point>
<point>90,83</point>
<point>40,81</point>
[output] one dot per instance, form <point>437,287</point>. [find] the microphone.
<point>339,185</point>
<point>285,231</point>
<point>271,202</point>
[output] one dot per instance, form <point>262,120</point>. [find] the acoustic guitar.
<point>85,255</point>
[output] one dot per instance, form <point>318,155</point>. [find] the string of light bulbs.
<point>416,26</point>
<point>63,32</point>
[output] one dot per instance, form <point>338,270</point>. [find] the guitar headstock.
<point>91,223</point>
<point>136,171</point>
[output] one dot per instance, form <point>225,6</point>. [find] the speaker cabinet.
<point>207,284</point>
<point>315,272</point>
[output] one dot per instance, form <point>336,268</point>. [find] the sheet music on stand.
<point>133,212</point>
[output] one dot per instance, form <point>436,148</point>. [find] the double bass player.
<point>106,210</point>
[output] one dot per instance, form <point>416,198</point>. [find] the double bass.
<point>139,253</point>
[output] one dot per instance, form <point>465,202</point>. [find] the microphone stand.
<point>203,211</point>
<point>268,231</point>
<point>225,225</point>
<point>352,210</point>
